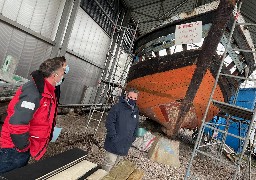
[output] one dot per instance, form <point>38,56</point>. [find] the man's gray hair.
<point>51,65</point>
<point>132,90</point>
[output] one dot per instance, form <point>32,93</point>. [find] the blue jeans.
<point>11,159</point>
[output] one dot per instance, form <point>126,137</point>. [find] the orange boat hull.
<point>162,92</point>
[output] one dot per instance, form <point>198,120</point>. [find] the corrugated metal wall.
<point>81,75</point>
<point>87,40</point>
<point>40,16</point>
<point>27,50</point>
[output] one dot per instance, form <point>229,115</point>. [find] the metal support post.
<point>61,28</point>
<point>252,124</point>
<point>76,5</point>
<point>224,135</point>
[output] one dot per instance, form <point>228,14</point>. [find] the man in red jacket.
<point>28,126</point>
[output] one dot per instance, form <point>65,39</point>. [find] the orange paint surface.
<point>166,87</point>
<point>160,88</point>
<point>202,97</point>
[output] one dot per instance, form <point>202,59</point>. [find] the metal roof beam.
<point>146,15</point>
<point>169,13</point>
<point>161,10</point>
<point>149,4</point>
<point>152,20</point>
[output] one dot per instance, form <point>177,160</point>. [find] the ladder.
<point>106,86</point>
<point>231,110</point>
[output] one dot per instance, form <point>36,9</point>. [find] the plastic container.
<point>140,132</point>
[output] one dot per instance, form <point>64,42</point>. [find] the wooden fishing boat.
<point>163,83</point>
<point>175,89</point>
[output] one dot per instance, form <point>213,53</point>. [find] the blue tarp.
<point>245,99</point>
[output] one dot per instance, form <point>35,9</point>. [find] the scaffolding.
<point>110,86</point>
<point>233,112</point>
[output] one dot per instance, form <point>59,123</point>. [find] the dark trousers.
<point>11,159</point>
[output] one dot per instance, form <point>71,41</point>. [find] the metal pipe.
<point>244,50</point>
<point>238,77</point>
<point>103,73</point>
<point>246,24</point>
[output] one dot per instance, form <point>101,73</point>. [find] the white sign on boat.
<point>188,33</point>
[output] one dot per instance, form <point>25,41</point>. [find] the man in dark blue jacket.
<point>122,123</point>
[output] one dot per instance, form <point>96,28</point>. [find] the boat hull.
<point>162,92</point>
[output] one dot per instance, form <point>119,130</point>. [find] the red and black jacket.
<point>31,118</point>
